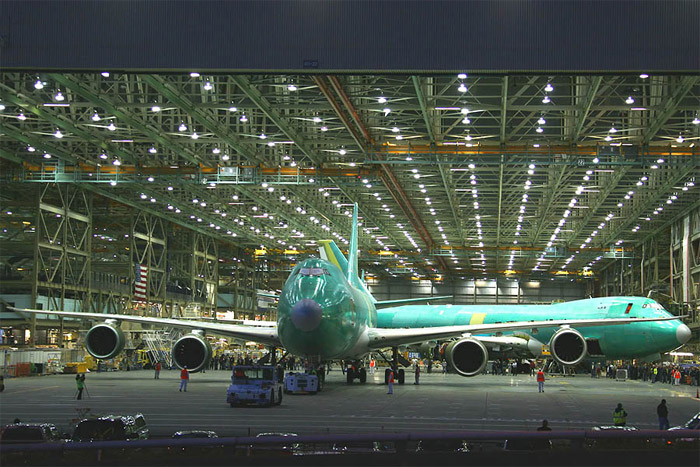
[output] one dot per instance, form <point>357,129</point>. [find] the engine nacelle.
<point>467,356</point>
<point>192,351</point>
<point>105,340</point>
<point>568,346</point>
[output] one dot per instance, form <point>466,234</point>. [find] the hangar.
<point>184,186</point>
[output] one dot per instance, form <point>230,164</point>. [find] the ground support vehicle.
<point>301,383</point>
<point>255,385</point>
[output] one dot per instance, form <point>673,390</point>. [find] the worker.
<point>540,380</point>
<point>619,416</point>
<point>184,378</point>
<point>391,381</point>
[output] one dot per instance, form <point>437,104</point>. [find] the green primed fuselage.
<point>630,340</point>
<point>346,312</point>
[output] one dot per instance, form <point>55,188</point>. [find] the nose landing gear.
<point>356,371</point>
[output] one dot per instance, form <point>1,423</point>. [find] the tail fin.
<point>353,278</point>
<point>331,253</point>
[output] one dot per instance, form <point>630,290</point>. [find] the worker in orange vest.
<point>372,364</point>
<point>184,378</point>
<point>391,381</point>
<point>540,380</point>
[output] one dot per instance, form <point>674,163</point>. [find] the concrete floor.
<point>441,402</point>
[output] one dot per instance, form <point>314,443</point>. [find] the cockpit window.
<point>314,272</point>
<point>653,305</point>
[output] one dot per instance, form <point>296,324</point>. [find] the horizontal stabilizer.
<point>405,301</point>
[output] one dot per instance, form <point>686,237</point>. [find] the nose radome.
<point>683,333</point>
<point>306,315</point>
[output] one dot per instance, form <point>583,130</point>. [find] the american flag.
<point>141,281</point>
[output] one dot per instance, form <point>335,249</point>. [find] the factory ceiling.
<point>454,175</point>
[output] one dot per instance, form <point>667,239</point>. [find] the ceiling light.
<point>549,87</point>
<point>629,100</point>
<point>111,127</point>
<point>155,108</point>
<point>462,88</point>
<point>539,129</point>
<point>233,109</point>
<point>225,157</point>
<point>462,76</point>
<point>546,100</point>
<point>612,129</point>
<point>324,128</point>
<point>395,129</point>
<point>194,135</point>
<point>208,86</point>
<point>21,116</point>
<point>644,76</point>
<point>96,117</point>
<point>381,99</point>
<point>58,134</point>
<point>59,97</point>
<point>39,84</point>
<point>194,74</point>
<point>386,111</point>
<point>105,74</point>
<point>680,139</point>
<point>153,150</point>
<point>342,152</point>
<point>243,118</point>
<point>292,87</point>
<point>182,127</point>
<point>541,121</point>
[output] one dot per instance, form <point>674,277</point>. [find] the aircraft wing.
<point>262,334</point>
<point>401,301</point>
<point>389,337</point>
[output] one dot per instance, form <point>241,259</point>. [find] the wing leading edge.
<point>261,334</point>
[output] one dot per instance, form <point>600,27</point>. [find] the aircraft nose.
<point>306,315</point>
<point>683,333</point>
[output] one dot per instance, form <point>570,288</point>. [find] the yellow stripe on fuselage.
<point>477,318</point>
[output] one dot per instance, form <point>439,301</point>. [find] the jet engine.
<point>105,340</point>
<point>467,356</point>
<point>192,351</point>
<point>568,346</point>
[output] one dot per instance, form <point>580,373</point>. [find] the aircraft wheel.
<point>363,375</point>
<point>351,375</point>
<point>402,376</point>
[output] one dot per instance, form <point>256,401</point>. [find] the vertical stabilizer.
<point>331,253</point>
<point>353,278</point>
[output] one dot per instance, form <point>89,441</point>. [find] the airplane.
<point>326,313</point>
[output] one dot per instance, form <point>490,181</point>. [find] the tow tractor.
<point>301,383</point>
<point>255,385</point>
